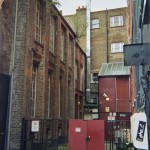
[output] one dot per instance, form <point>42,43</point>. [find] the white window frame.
<point>38,22</point>
<point>34,90</point>
<point>92,77</point>
<point>95,24</point>
<point>52,34</point>
<point>117,47</point>
<point>116,21</point>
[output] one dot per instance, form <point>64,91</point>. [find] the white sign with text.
<point>139,130</point>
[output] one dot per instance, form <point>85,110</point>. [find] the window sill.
<point>116,26</point>
<point>52,53</point>
<point>116,52</point>
<point>38,43</point>
<point>62,62</point>
<point>94,28</point>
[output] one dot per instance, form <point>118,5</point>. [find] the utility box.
<point>86,135</point>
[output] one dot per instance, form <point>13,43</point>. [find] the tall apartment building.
<point>109,32</point>
<point>38,50</point>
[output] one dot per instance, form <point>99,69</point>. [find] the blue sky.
<point>70,6</point>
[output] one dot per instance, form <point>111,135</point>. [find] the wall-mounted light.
<point>107,98</point>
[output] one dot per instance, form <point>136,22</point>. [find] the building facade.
<point>109,32</point>
<point>45,63</point>
<point>114,91</point>
<point>140,70</point>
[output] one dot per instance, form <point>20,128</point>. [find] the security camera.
<point>105,95</point>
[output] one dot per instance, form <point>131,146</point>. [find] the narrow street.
<point>74,75</point>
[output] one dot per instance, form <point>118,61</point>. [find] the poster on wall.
<point>139,130</point>
<point>35,126</point>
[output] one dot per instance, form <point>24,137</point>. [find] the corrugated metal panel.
<point>123,95</point>
<point>113,69</point>
<point>117,89</point>
<point>107,86</point>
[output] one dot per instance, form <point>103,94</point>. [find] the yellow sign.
<point>106,109</point>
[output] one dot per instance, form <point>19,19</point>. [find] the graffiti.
<point>141,130</point>
<point>135,55</point>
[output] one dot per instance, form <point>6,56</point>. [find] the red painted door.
<point>79,130</point>
<point>77,135</point>
<point>96,132</point>
<point>123,94</point>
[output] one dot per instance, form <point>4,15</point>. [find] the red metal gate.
<point>86,135</point>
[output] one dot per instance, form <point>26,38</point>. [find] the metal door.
<point>4,89</point>
<point>95,132</point>
<point>77,134</point>
<point>86,135</point>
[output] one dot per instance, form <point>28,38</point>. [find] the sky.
<point>69,6</point>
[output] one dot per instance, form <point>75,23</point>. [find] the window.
<point>94,77</point>
<point>33,96</point>
<point>95,23</point>
<point>71,47</point>
<point>117,47</point>
<point>52,34</point>
<point>81,78</point>
<point>49,94</point>
<point>38,22</point>
<point>116,21</point>
<point>63,44</point>
<point>59,98</point>
<point>76,71</point>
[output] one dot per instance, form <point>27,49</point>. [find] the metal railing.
<point>118,135</point>
<point>52,135</point>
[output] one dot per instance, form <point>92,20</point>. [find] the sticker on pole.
<point>139,131</point>
<point>35,126</point>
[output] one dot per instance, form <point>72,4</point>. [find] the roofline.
<point>80,48</point>
<point>62,17</point>
<point>99,76</point>
<point>109,9</point>
<point>119,8</point>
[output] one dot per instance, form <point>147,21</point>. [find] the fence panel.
<point>52,135</point>
<point>118,135</point>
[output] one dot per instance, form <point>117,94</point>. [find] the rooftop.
<point>114,69</point>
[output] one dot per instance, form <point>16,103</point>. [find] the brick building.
<point>46,65</point>
<point>109,32</point>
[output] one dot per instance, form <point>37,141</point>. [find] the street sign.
<point>136,54</point>
<point>35,126</point>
